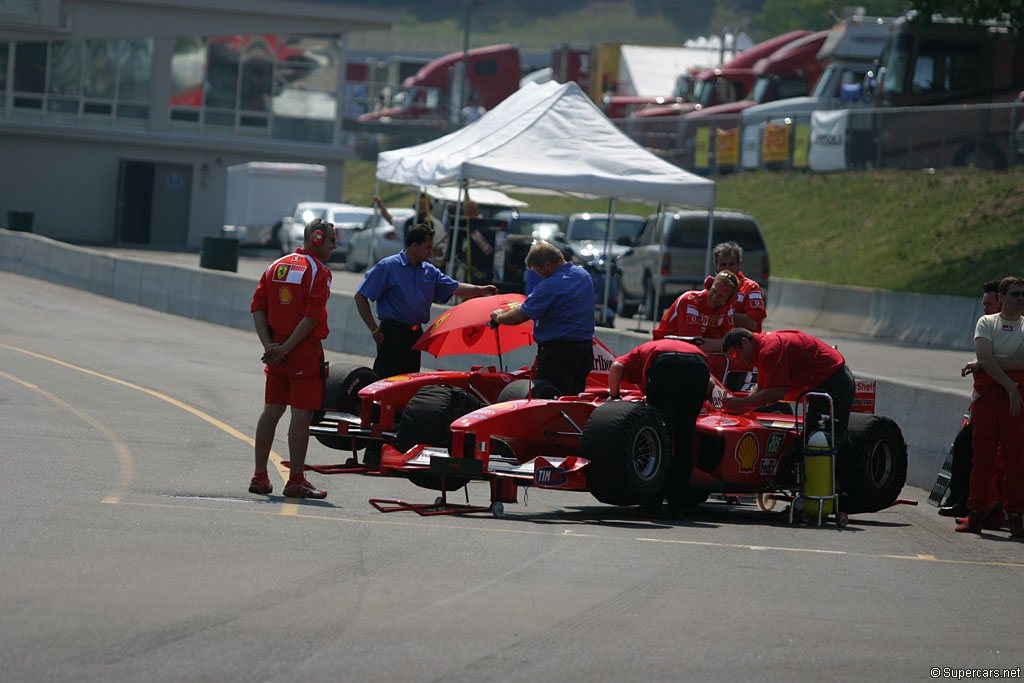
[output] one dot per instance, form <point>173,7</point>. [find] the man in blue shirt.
<point>404,286</point>
<point>562,308</point>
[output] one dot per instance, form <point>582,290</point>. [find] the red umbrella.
<point>466,329</point>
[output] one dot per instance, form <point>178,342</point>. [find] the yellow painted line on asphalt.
<point>288,509</point>
<point>126,464</point>
<point>874,556</point>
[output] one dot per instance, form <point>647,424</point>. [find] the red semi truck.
<point>790,71</point>
<point>729,83</point>
<point>493,74</point>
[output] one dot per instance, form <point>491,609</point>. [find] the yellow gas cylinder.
<point>818,454</point>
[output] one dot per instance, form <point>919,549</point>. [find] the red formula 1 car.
<point>364,411</point>
<point>620,452</point>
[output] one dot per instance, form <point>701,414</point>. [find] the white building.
<point>119,118</point>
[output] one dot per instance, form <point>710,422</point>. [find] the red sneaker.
<point>1016,525</point>
<point>972,522</point>
<point>302,489</point>
<point>261,484</point>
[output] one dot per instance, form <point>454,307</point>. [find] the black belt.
<point>565,342</point>
<point>404,326</point>
<point>675,354</point>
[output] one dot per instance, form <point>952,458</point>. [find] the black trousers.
<point>841,386</point>
<point>676,386</point>
<point>566,364</point>
<point>395,355</point>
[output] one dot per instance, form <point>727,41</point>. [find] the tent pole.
<point>711,233</point>
<point>376,219</point>
<point>455,231</point>
<point>609,231</point>
<point>661,255</point>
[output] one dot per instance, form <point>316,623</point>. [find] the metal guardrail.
<point>984,135</point>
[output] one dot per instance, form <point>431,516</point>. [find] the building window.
<point>3,75</point>
<point>134,70</point>
<point>188,72</point>
<point>306,80</point>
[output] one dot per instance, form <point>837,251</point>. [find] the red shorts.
<point>297,381</point>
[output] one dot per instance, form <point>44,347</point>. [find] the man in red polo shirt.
<point>674,378</point>
<point>748,304</point>
<point>289,311</point>
<point>790,362</point>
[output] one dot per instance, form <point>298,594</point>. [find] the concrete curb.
<point>923,319</point>
<point>223,298</point>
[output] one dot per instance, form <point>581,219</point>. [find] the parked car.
<point>667,257</point>
<point>585,234</point>
<point>376,238</point>
<point>514,233</point>
<point>346,219</point>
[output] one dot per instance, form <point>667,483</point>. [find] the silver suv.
<point>667,257</point>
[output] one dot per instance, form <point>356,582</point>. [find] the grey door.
<point>153,203</point>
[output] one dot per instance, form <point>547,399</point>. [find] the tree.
<point>975,11</point>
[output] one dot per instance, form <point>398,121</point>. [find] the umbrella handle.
<point>497,340</point>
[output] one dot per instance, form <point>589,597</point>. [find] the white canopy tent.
<point>549,139</point>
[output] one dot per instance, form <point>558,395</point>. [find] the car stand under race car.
<point>620,451</point>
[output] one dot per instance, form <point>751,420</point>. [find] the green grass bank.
<point>934,233</point>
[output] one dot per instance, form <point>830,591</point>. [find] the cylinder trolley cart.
<point>818,493</point>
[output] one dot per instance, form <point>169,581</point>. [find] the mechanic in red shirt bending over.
<point>790,362</point>
<point>674,377</point>
<point>289,311</point>
<point>748,305</point>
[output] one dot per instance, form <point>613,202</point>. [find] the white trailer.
<point>261,193</point>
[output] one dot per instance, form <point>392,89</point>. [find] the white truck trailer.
<point>261,193</point>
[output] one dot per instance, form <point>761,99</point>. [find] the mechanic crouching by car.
<point>404,285</point>
<point>289,310</point>
<point>705,313</point>
<point>562,308</point>
<point>789,363</point>
<point>674,377</point>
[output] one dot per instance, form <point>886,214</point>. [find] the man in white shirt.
<point>996,410</point>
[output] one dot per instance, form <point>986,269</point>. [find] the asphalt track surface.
<point>132,551</point>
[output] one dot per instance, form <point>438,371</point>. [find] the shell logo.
<point>747,452</point>
<point>507,405</point>
<point>284,295</point>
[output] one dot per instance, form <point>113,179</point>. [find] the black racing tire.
<point>520,389</point>
<point>629,451</point>
<point>426,420</point>
<point>341,393</point>
<point>872,466</point>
